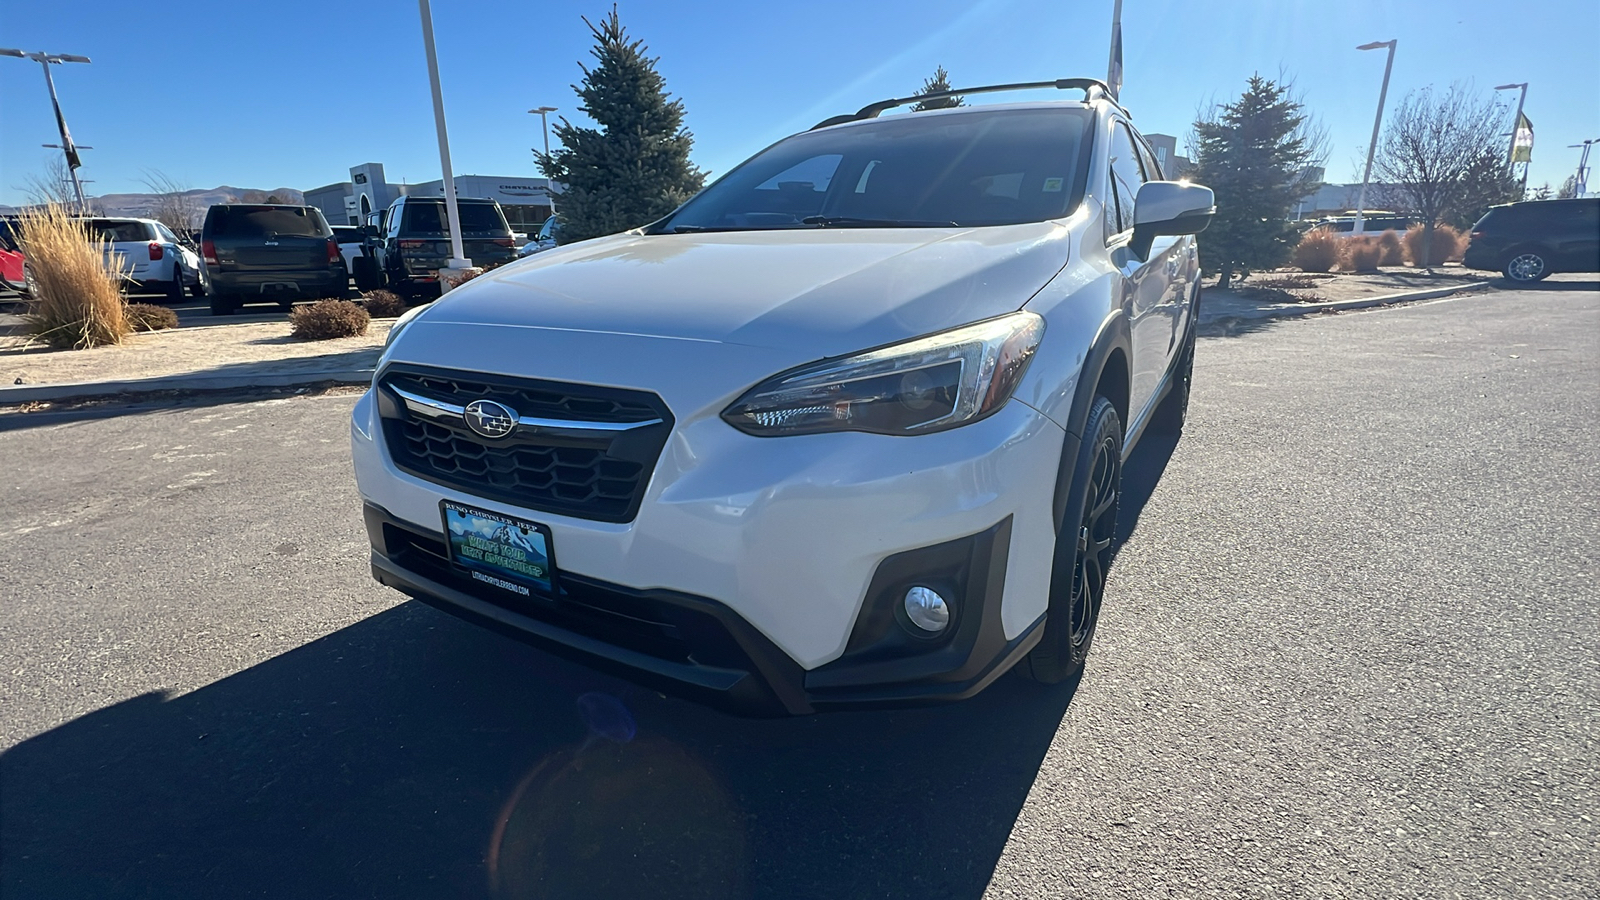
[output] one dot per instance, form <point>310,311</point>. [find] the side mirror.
<point>1169,208</point>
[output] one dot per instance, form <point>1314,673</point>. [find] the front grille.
<point>598,475</point>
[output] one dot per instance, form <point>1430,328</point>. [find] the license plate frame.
<point>485,546</point>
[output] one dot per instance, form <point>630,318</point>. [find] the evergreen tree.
<point>1255,153</point>
<point>939,82</point>
<point>1487,182</point>
<point>635,168</point>
<point>1568,190</point>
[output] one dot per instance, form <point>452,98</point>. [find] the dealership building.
<point>526,201</point>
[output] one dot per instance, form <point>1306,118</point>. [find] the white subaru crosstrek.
<point>847,428</point>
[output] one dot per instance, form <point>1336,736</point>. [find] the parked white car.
<point>150,257</point>
<point>845,429</point>
<point>544,240</point>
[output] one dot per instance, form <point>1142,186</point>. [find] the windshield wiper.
<point>855,222</point>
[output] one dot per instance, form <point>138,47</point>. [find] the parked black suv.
<point>270,252</point>
<point>1527,241</point>
<point>416,241</point>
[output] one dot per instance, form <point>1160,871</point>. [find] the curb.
<point>1306,309</point>
<point>33,393</point>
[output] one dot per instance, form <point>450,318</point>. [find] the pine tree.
<point>1487,183</point>
<point>635,168</point>
<point>1255,153</point>
<point>938,83</point>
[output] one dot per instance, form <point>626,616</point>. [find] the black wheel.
<point>223,305</point>
<point>1174,409</point>
<point>198,289</point>
<point>366,273</point>
<point>175,287</point>
<point>1084,548</point>
<point>1526,266</point>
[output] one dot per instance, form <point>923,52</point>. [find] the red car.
<point>10,257</point>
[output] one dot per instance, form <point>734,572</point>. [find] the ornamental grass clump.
<point>1361,253</point>
<point>149,317</point>
<point>328,319</point>
<point>76,301</point>
<point>383,304</point>
<point>1448,244</point>
<point>1318,251</point>
<point>1393,253</point>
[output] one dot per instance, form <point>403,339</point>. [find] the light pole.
<point>544,120</point>
<point>1372,148</point>
<point>1114,66</point>
<point>1516,121</point>
<point>68,149</point>
<point>1581,183</point>
<point>458,256</point>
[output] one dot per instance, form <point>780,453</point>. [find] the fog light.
<point>927,610</point>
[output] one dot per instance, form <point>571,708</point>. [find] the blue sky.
<point>293,92</point>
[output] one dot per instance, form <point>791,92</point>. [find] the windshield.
<point>986,167</point>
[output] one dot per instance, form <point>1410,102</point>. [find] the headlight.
<point>401,323</point>
<point>929,384</point>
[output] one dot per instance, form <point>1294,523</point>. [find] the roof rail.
<point>1093,89</point>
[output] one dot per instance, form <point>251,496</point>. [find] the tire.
<point>286,305</point>
<point>223,305</point>
<point>1085,545</point>
<point>366,273</point>
<point>1526,266</point>
<point>1173,412</point>
<point>175,287</point>
<point>198,289</point>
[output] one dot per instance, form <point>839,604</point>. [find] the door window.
<point>1126,176</point>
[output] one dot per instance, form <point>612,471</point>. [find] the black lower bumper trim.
<point>673,642</point>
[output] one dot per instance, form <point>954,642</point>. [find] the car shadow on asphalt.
<point>1140,475</point>
<point>412,755</point>
<point>1586,286</point>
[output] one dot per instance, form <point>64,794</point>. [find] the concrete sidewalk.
<point>260,355</point>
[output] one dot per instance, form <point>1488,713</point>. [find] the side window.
<point>1126,176</point>
<point>1152,168</point>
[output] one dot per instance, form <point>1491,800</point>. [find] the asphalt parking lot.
<point>1349,650</point>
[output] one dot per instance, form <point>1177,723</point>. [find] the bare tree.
<point>1429,147</point>
<point>54,187</point>
<point>174,206</point>
<point>1568,189</point>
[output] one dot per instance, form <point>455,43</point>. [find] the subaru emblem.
<point>490,419</point>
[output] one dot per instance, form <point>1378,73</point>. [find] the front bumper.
<point>786,535</point>
<point>699,648</point>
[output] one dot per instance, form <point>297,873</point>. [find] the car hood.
<point>823,292</point>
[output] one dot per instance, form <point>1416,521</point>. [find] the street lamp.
<point>1372,148</point>
<point>544,119</point>
<point>458,255</point>
<point>1581,182</point>
<point>1511,152</point>
<point>68,149</point>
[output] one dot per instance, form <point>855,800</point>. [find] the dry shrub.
<point>1361,253</point>
<point>1285,282</point>
<point>1448,244</point>
<point>77,302</point>
<point>1318,251</point>
<point>149,317</point>
<point>1393,253</point>
<point>328,319</point>
<point>384,304</point>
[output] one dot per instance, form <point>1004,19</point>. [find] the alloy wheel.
<point>1525,267</point>
<point>1096,533</point>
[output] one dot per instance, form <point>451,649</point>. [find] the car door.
<point>1578,236</point>
<point>1146,282</point>
<point>1178,260</point>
